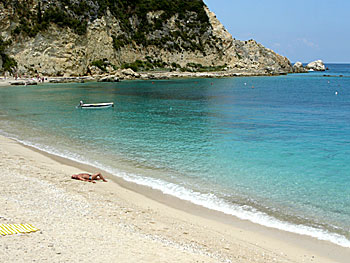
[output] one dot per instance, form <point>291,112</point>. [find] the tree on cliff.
<point>8,64</point>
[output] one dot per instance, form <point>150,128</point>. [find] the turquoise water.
<point>277,154</point>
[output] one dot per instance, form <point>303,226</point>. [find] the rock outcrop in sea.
<point>312,66</point>
<point>316,66</point>
<point>299,68</point>
<point>93,37</point>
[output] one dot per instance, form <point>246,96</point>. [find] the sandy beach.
<point>121,222</point>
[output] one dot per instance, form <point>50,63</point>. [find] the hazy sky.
<point>302,30</point>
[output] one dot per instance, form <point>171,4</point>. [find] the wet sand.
<point>119,221</point>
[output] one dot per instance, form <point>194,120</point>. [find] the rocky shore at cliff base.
<point>129,74</point>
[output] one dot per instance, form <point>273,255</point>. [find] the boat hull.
<point>97,105</point>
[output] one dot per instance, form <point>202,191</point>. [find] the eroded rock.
<point>316,66</point>
<point>298,67</point>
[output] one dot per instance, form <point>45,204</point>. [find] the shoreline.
<point>265,241</point>
<point>128,74</point>
<point>211,208</point>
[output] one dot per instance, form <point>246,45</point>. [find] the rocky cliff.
<point>78,37</point>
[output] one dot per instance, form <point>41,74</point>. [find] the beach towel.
<point>9,229</point>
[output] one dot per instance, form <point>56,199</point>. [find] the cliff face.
<point>72,37</point>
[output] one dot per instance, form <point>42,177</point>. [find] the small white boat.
<point>95,105</point>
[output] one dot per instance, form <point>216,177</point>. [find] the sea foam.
<point>210,201</point>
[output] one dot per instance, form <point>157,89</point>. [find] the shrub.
<point>103,64</point>
<point>175,65</point>
<point>149,64</point>
<point>133,66</point>
<point>8,63</point>
<point>100,64</point>
<point>120,41</point>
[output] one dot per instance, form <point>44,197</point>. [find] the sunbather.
<point>89,177</point>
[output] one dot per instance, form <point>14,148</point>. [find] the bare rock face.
<point>298,67</point>
<point>316,66</point>
<point>247,54</point>
<point>55,53</point>
<point>175,40</point>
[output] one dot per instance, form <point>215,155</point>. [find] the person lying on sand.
<point>88,177</point>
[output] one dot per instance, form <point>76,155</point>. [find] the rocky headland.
<point>102,40</point>
<point>98,38</point>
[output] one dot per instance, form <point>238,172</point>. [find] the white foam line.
<point>214,203</point>
<point>210,201</point>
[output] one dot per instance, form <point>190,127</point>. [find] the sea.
<point>272,150</point>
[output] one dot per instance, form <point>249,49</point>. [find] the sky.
<point>301,30</point>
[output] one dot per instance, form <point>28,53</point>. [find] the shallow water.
<point>274,150</point>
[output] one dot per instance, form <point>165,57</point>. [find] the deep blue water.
<point>274,150</point>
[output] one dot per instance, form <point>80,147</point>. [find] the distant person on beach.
<point>88,177</point>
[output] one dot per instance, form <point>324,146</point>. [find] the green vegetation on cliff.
<point>8,64</point>
<point>137,27</point>
<point>148,65</point>
<point>190,18</point>
<point>32,21</point>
